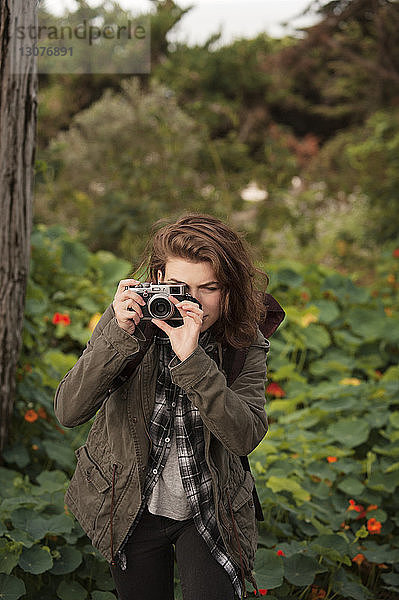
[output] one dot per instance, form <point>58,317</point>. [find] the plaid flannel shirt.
<point>174,411</point>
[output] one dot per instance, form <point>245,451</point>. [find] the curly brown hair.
<point>202,237</point>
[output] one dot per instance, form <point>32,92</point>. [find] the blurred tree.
<point>129,159</point>
<point>61,96</point>
<point>366,159</point>
<point>345,67</point>
<point>17,149</point>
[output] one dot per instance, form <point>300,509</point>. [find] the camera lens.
<point>160,307</point>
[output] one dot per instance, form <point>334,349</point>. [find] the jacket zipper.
<point>121,554</point>
<point>111,517</point>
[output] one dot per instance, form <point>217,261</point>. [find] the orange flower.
<point>358,559</point>
<point>374,526</point>
<point>280,553</point>
<point>31,416</point>
<point>332,459</point>
<point>305,296</point>
<point>371,507</point>
<point>35,447</point>
<point>391,278</point>
<point>42,413</point>
<point>275,390</point>
<point>395,253</point>
<point>60,318</point>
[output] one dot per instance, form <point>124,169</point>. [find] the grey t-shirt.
<point>168,497</point>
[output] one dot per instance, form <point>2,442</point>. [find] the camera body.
<point>158,305</point>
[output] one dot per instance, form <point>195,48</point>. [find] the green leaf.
<point>350,588</point>
<point>17,454</point>
<point>300,569</point>
<point>10,483</point>
<point>349,432</point>
<point>17,535</point>
<point>380,553</point>
<point>366,323</point>
<point>337,542</point>
<point>394,419</point>
<point>11,588</point>
<point>9,556</point>
<point>50,482</point>
<point>391,579</point>
<point>68,561</point>
<point>329,310</point>
<point>75,257</point>
<point>71,590</point>
<point>351,486</point>
<point>316,337</point>
<point>97,595</point>
<point>289,278</point>
<point>113,269</point>
<point>35,560</point>
<point>278,484</point>
<point>62,454</point>
<point>383,482</point>
<point>345,290</point>
<point>268,569</point>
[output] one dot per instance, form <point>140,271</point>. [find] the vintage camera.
<point>158,305</point>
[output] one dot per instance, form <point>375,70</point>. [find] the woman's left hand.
<point>184,339</point>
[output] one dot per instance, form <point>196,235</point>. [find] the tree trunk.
<point>18,103</point>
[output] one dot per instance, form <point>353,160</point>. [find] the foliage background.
<point>311,123</point>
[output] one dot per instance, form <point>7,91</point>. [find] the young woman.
<point>163,473</point>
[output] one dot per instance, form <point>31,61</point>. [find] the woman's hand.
<point>184,339</point>
<point>124,299</point>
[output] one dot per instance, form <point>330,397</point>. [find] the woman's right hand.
<point>124,299</point>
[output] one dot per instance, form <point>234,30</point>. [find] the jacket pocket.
<point>241,511</point>
<point>87,490</point>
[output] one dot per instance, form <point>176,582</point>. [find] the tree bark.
<point>18,107</point>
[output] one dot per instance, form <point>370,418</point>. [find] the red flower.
<point>280,553</point>
<point>62,319</point>
<point>374,526</point>
<point>317,593</point>
<point>395,253</point>
<point>31,416</point>
<point>275,390</point>
<point>332,459</point>
<point>262,592</point>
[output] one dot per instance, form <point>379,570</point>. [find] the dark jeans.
<point>150,563</point>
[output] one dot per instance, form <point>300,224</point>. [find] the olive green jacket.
<point>105,492</point>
